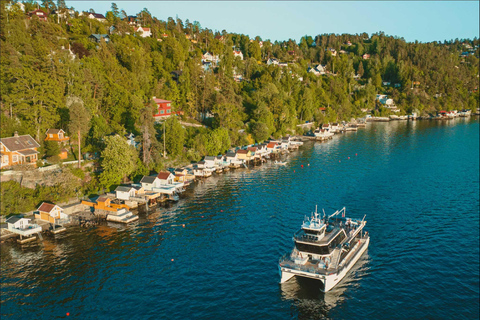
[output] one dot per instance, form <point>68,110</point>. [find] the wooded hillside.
<point>249,99</point>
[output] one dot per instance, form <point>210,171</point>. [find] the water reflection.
<point>312,303</point>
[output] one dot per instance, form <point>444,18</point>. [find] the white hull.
<point>329,280</point>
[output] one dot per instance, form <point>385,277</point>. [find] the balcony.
<point>29,230</point>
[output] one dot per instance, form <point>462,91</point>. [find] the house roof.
<point>38,10</point>
<point>27,152</point>
<point>230,154</point>
<point>99,36</point>
<point>163,175</point>
<point>54,131</point>
<point>271,145</point>
<point>209,158</point>
<point>46,207</point>
<point>161,100</point>
<point>98,15</point>
<point>148,179</point>
<point>253,149</point>
<point>123,189</point>
<point>14,219</point>
<point>102,199</point>
<point>19,142</point>
<point>242,151</point>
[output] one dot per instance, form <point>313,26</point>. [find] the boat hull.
<point>329,280</point>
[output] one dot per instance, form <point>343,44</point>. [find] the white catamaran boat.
<point>325,249</point>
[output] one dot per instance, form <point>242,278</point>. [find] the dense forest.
<point>54,76</point>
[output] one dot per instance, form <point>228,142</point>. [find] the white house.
<point>387,102</point>
<point>165,178</point>
<point>124,192</point>
<point>238,54</point>
<point>22,226</point>
<point>272,61</point>
<point>332,51</point>
<point>97,16</point>
<point>208,57</point>
<point>273,147</point>
<point>262,150</point>
<point>231,158</point>
<point>209,161</point>
<point>144,32</point>
<point>335,127</point>
<point>150,182</point>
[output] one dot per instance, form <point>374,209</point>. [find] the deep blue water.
<point>417,183</point>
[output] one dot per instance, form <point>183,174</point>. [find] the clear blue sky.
<point>424,21</point>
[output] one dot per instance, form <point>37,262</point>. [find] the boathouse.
<point>22,226</point>
<point>125,192</point>
<point>52,213</point>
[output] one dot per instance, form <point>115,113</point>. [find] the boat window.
<point>314,232</point>
<point>312,248</point>
<point>338,239</point>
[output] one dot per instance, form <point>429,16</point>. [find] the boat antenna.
<point>323,213</point>
<point>363,218</point>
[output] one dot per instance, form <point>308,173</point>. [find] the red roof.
<point>161,101</point>
<point>242,151</point>
<point>322,108</point>
<point>163,175</point>
<point>252,149</point>
<point>46,207</point>
<point>271,145</point>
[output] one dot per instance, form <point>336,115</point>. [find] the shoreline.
<point>87,219</point>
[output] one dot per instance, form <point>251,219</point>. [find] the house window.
<point>168,111</point>
<point>168,104</point>
<point>60,135</point>
<point>162,111</point>
<point>50,135</point>
<point>14,158</point>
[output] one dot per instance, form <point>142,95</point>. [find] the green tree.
<point>174,136</point>
<point>259,131</point>
<point>51,148</point>
<point>79,119</point>
<point>118,160</point>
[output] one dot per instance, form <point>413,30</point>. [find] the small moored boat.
<point>280,163</point>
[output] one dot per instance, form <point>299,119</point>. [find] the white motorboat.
<point>280,163</point>
<point>325,249</point>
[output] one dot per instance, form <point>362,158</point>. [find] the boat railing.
<point>289,263</point>
<point>306,238</point>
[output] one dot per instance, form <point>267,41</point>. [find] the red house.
<point>39,13</point>
<point>164,108</point>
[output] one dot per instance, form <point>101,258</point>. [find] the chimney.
<point>15,134</point>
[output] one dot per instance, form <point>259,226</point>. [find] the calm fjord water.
<point>417,182</point>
